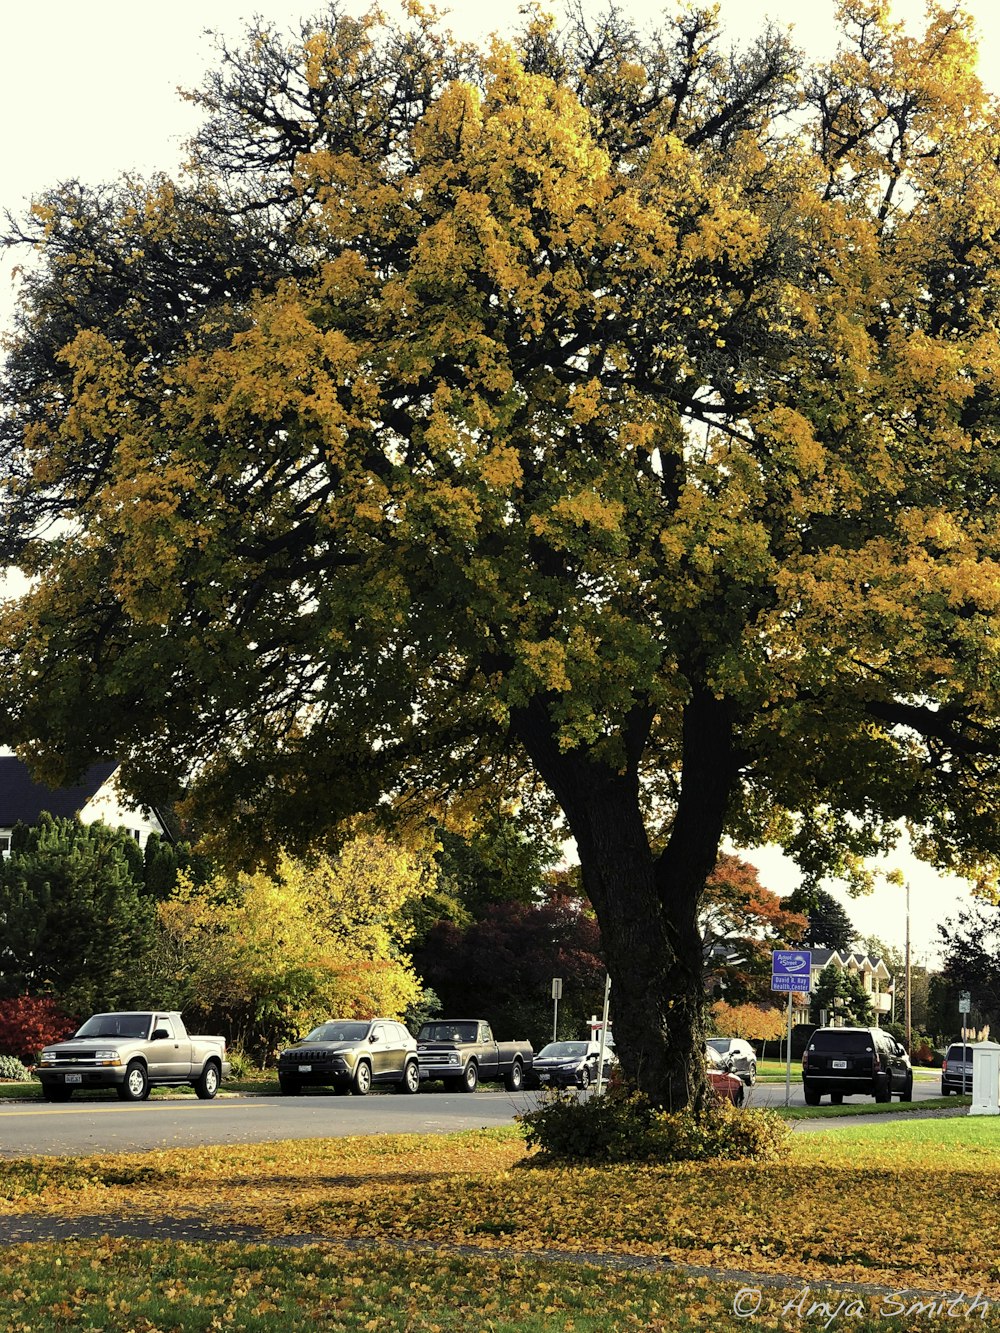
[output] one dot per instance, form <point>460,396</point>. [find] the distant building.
<point>95,798</point>
<point>875,977</point>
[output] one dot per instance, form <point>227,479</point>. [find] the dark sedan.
<point>569,1064</point>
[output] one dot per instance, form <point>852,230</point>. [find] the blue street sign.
<point>790,969</point>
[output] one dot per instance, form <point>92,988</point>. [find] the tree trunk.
<point>646,905</point>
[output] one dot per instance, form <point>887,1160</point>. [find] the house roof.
<point>22,799</point>
<point>821,957</point>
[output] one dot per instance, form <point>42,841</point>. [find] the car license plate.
<point>838,1064</point>
<point>74,1078</point>
<point>305,1069</point>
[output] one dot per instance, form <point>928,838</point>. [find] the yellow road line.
<point>129,1109</point>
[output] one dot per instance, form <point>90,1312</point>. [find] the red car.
<point>726,1085</point>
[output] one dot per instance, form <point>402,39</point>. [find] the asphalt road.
<point>83,1127</point>
<point>773,1094</point>
<point>80,1128</point>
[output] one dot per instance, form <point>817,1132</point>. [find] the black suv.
<point>845,1061</point>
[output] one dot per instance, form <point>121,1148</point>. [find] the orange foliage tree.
<point>741,923</point>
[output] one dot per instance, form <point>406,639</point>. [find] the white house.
<point>95,798</point>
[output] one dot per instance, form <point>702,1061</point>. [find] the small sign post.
<point>604,1035</point>
<point>790,972</point>
<point>556,997</point>
<point>964,1007</point>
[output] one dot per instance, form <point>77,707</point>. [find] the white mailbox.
<point>985,1079</point>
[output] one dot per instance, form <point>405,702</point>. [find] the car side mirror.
<point>160,1034</point>
<point>372,1038</point>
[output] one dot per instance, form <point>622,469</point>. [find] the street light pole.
<point>907,1015</point>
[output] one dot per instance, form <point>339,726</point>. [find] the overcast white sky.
<point>90,91</point>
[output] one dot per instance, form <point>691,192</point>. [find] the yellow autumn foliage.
<point>272,954</point>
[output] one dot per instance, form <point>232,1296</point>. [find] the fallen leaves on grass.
<point>907,1205</point>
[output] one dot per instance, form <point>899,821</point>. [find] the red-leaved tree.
<point>29,1022</point>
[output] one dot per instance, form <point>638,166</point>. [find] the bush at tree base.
<point>625,1126</point>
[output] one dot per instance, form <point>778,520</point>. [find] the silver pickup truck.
<point>132,1052</point>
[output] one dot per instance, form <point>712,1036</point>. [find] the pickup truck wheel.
<point>136,1085</point>
<point>208,1084</point>
<point>362,1079</point>
<point>410,1082</point>
<point>514,1081</point>
<point>470,1077</point>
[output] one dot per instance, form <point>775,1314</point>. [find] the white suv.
<point>741,1056</point>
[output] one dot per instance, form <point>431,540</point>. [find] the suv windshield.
<point>959,1053</point>
<point>841,1039</point>
<point>338,1032</point>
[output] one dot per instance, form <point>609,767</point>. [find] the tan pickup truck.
<point>132,1052</point>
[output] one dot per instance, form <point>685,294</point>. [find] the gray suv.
<point>956,1069</point>
<point>349,1055</point>
<point>846,1061</point>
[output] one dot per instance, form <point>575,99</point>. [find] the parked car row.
<point>357,1055</point>
<point>135,1051</point>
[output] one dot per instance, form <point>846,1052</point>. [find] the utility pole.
<point>909,1033</point>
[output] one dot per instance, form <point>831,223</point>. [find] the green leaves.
<point>76,919</point>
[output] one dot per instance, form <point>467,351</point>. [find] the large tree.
<point>602,406</point>
<point>827,924</point>
<point>971,946</point>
